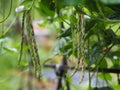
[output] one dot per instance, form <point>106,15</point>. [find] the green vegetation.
<point>87,32</point>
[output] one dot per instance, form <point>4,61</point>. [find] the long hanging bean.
<point>22,34</point>
<point>81,45</point>
<point>32,45</point>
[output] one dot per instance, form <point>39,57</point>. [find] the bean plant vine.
<point>89,32</point>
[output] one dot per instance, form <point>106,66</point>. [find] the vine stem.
<point>8,13</point>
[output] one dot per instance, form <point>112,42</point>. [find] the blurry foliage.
<point>102,36</point>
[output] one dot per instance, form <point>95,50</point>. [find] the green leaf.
<point>45,11</point>
<point>11,50</point>
<point>105,76</point>
<point>103,64</point>
<point>109,36</point>
<point>65,33</point>
<point>91,5</point>
<point>94,55</point>
<point>73,19</point>
<point>90,24</point>
<point>3,39</point>
<point>26,3</point>
<point>63,3</point>
<point>111,1</point>
<point>23,63</point>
